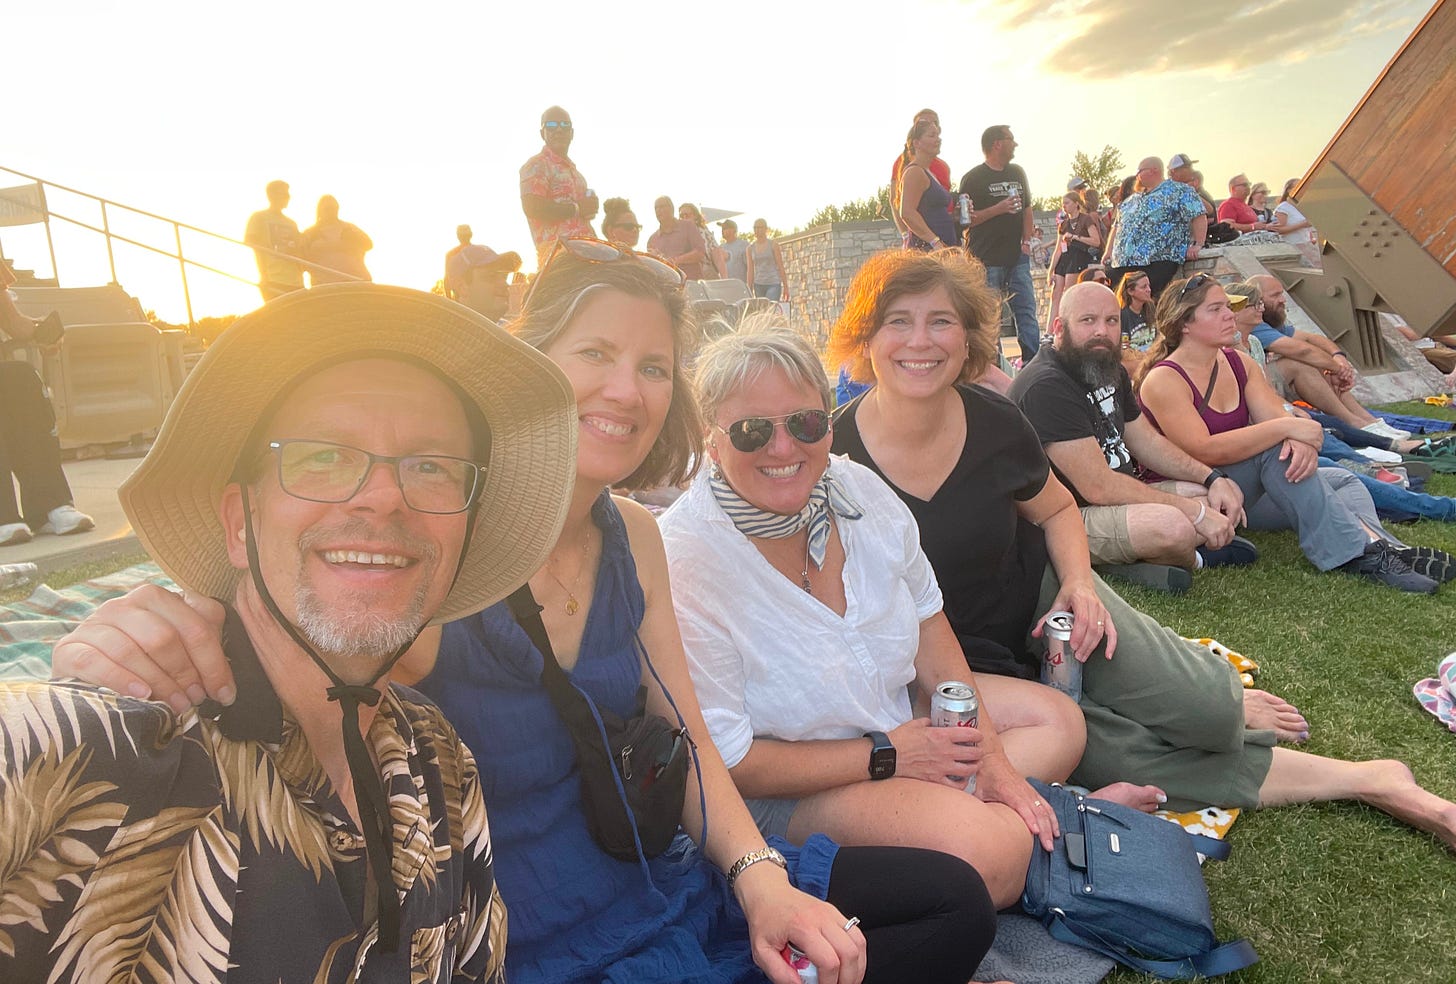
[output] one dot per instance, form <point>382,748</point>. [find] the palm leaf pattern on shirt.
<point>47,815</point>
<point>119,932</point>
<point>259,799</point>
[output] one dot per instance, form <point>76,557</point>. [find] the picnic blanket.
<point>1023,952</point>
<point>29,628</point>
<point>1416,425</point>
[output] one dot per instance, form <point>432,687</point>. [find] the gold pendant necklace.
<point>573,606</point>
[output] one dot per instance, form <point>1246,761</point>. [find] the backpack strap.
<point>1223,959</point>
<point>1210,847</point>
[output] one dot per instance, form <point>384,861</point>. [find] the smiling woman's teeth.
<point>921,365</point>
<point>608,427</point>
<point>783,472</point>
<point>356,557</point>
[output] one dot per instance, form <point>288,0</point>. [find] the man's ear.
<point>230,512</point>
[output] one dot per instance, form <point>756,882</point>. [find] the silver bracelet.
<point>752,858</point>
<point>1202,511</point>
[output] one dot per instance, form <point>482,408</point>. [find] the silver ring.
<point>853,922</point>
<point>1100,623</point>
<point>1036,803</point>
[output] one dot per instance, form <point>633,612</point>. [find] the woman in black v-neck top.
<point>1007,542</point>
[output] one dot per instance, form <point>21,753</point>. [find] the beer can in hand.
<point>963,210</point>
<point>1059,667</point>
<point>955,705</point>
<point>808,973</point>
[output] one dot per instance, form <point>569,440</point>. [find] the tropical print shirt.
<point>139,846</point>
<point>551,176</point>
<point>1154,225</point>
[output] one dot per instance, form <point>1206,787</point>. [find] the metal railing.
<point>183,261</point>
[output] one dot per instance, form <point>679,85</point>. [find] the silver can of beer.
<point>794,957</point>
<point>963,210</point>
<point>1059,667</point>
<point>955,705</point>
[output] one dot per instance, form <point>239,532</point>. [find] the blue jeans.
<point>773,292</point>
<point>1015,280</point>
<point>1401,505</point>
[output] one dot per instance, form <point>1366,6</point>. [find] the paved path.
<point>93,483</point>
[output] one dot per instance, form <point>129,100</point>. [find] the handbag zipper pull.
<point>626,762</point>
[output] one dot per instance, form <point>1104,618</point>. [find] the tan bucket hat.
<point>172,498</point>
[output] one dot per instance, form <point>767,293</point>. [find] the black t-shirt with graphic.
<point>997,241</point>
<point>1063,408</point>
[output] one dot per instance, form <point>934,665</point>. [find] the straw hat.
<point>172,498</point>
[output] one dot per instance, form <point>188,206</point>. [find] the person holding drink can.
<point>808,611</point>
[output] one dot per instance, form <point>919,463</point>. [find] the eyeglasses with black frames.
<point>322,471</point>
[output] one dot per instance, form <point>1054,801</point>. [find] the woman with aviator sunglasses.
<point>807,609</point>
<point>616,323</point>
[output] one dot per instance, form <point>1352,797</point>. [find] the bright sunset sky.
<point>417,116</point>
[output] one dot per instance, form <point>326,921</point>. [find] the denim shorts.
<point>772,815</point>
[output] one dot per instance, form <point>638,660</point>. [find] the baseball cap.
<point>1180,160</point>
<point>1076,184</point>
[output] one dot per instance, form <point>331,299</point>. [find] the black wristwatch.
<point>1213,476</point>
<point>882,755</point>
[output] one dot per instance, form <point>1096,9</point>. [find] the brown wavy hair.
<point>892,274</point>
<point>1170,317</point>
<point>552,306</point>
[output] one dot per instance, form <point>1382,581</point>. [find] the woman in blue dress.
<point>616,322</point>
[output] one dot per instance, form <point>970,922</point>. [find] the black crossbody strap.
<point>1202,403</point>
<point>527,613</point>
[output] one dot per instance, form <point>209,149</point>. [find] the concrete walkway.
<point>93,484</point>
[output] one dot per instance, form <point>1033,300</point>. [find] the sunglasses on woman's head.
<point>600,251</point>
<point>1194,282</point>
<point>753,433</point>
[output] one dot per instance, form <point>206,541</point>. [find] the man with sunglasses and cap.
<point>554,195</point>
<point>343,467</point>
<point>477,276</point>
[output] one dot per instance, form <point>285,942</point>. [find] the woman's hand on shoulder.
<point>151,643</point>
<point>948,756</point>
<point>779,914</point>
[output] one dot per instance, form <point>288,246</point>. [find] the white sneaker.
<point>67,519</point>
<point>1381,429</point>
<point>1381,455</point>
<point>13,533</point>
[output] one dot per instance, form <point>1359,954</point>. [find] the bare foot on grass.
<point>1145,798</point>
<point>1392,789</point>
<point>1265,712</point>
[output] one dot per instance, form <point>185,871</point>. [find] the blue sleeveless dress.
<point>575,913</point>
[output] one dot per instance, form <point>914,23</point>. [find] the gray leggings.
<point>1325,510</point>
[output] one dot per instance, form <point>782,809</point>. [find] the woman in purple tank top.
<point>1213,401</point>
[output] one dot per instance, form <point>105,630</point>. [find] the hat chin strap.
<point>369,789</point>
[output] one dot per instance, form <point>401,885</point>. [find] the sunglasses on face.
<point>556,125</point>
<point>753,433</point>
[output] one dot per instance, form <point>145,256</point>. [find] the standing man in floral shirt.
<point>1160,228</point>
<point>554,195</point>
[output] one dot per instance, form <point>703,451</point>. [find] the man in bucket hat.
<point>343,467</point>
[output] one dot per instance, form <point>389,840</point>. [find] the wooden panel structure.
<point>1399,144</point>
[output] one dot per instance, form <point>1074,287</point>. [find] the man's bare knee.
<point>1161,534</point>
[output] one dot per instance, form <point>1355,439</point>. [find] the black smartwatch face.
<point>882,762</point>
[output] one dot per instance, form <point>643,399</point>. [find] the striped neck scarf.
<point>750,520</point>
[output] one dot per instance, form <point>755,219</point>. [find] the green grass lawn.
<point>1337,891</point>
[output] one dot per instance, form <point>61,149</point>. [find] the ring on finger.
<point>853,922</point>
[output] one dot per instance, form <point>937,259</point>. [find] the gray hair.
<point>734,361</point>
